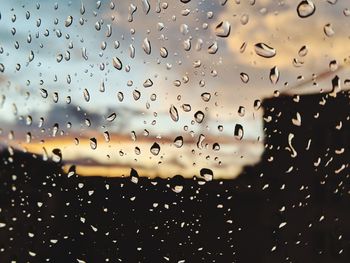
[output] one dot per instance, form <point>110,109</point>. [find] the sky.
<point>173,55</point>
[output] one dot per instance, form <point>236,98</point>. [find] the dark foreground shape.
<point>271,213</point>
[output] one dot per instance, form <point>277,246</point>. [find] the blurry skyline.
<point>193,59</point>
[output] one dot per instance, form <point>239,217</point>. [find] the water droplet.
<point>176,183</point>
<point>117,64</point>
<point>207,174</point>
<point>216,146</point>
<point>244,19</point>
<point>213,48</point>
<point>199,116</point>
<point>134,176</point>
<point>68,21</point>
<point>179,141</point>
<point>107,136</point>
<point>264,50</point>
<point>146,6</point>
<point>131,51</point>
<point>241,111</point>
<point>186,107</point>
<point>163,52</point>
<point>93,143</point>
<point>239,133</point>
<point>111,117</point>
<point>306,8</point>
<point>86,95</point>
<point>187,44</point>
<point>57,155</point>
<point>328,30</point>
<point>206,96</point>
<point>173,113</point>
<point>146,46</point>
<point>155,149</point>
<point>274,75</point>
<point>44,93</point>
<point>223,29</point>
<point>148,83</point>
<point>244,77</point>
<point>303,51</point>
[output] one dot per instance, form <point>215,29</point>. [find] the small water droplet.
<point>244,77</point>
<point>239,132</point>
<point>93,143</point>
<point>57,155</point>
<point>86,95</point>
<point>148,83</point>
<point>111,117</point>
<point>274,75</point>
<point>173,113</point>
<point>146,46</point>
<point>328,30</point>
<point>213,48</point>
<point>179,141</point>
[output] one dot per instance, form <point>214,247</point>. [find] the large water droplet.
<point>199,116</point>
<point>306,8</point>
<point>264,50</point>
<point>223,29</point>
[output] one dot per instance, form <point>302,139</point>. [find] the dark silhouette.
<point>292,207</point>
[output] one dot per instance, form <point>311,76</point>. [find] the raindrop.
<point>107,136</point>
<point>187,44</point>
<point>244,77</point>
<point>173,113</point>
<point>117,64</point>
<point>163,52</point>
<point>134,176</point>
<point>146,6</point>
<point>213,48</point>
<point>86,95</point>
<point>111,117</point>
<point>68,21</point>
<point>44,93</point>
<point>148,83</point>
<point>216,146</point>
<point>306,8</point>
<point>146,46</point>
<point>206,96</point>
<point>223,29</point>
<point>303,51</point>
<point>274,75</point>
<point>241,111</point>
<point>179,141</point>
<point>207,174</point>
<point>155,149</point>
<point>264,50</point>
<point>244,19</point>
<point>131,51</point>
<point>93,143</point>
<point>199,116</point>
<point>238,133</point>
<point>57,155</point>
<point>328,30</point>
<point>176,183</point>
